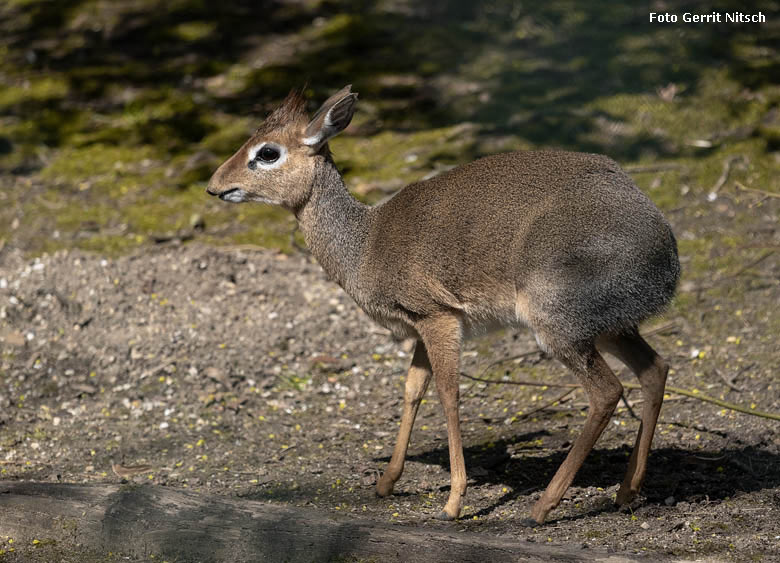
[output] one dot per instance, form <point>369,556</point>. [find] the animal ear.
<point>331,119</point>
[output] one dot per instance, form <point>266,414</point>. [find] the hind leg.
<point>631,349</point>
<point>604,391</point>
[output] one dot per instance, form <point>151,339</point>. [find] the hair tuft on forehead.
<point>291,111</point>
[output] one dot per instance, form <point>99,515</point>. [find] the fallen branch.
<point>629,407</point>
<point>243,248</point>
<point>739,272</point>
<point>159,367</point>
<point>659,329</point>
<point>758,245</point>
<point>694,394</point>
<point>746,267</point>
<point>730,381</point>
<point>724,176</point>
<point>546,405</point>
<point>522,383</point>
<point>163,523</point>
<point>764,193</point>
<point>641,169</point>
<point>511,359</point>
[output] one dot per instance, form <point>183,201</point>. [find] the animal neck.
<point>334,225</point>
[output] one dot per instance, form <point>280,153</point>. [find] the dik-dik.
<point>563,243</point>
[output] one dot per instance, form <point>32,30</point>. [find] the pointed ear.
<point>331,119</point>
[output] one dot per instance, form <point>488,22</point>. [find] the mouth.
<point>233,195</point>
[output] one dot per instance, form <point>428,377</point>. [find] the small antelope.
<point>561,242</point>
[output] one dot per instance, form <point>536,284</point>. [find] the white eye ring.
<point>259,163</point>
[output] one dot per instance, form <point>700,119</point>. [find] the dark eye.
<point>268,154</point>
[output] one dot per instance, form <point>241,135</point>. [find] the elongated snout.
<point>224,187</point>
<point>217,184</point>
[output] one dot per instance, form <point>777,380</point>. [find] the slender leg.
<point>604,391</point>
<point>442,337</point>
<point>651,369</point>
<point>417,380</point>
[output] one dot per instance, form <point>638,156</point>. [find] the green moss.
<point>398,157</point>
<point>264,225</point>
<point>571,77</point>
<point>339,24</point>
<point>21,3</point>
<point>112,199</point>
<point>698,250</point>
<point>194,31</point>
<point>98,164</point>
<point>47,126</point>
<point>235,79</point>
<point>228,136</point>
<point>43,89</point>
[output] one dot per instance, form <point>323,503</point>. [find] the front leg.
<point>416,384</point>
<point>442,337</point>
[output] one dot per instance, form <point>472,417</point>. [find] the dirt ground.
<point>246,372</point>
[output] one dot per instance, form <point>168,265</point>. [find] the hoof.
<point>625,499</point>
<point>529,523</point>
<point>629,505</point>
<point>444,517</point>
<point>383,492</point>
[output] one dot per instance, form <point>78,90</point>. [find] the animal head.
<point>276,165</point>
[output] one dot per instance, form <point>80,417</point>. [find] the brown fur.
<point>290,114</point>
<point>564,243</point>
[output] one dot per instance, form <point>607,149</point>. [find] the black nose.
<point>208,191</point>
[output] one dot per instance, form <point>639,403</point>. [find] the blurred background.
<point>114,113</point>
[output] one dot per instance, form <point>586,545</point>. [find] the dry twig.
<point>724,176</point>
<point>547,405</point>
<point>694,394</point>
<point>739,272</point>
<point>659,329</point>
<point>128,471</point>
<point>764,193</point>
<point>662,167</point>
<point>730,382</point>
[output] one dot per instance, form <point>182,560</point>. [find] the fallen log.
<point>179,525</point>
